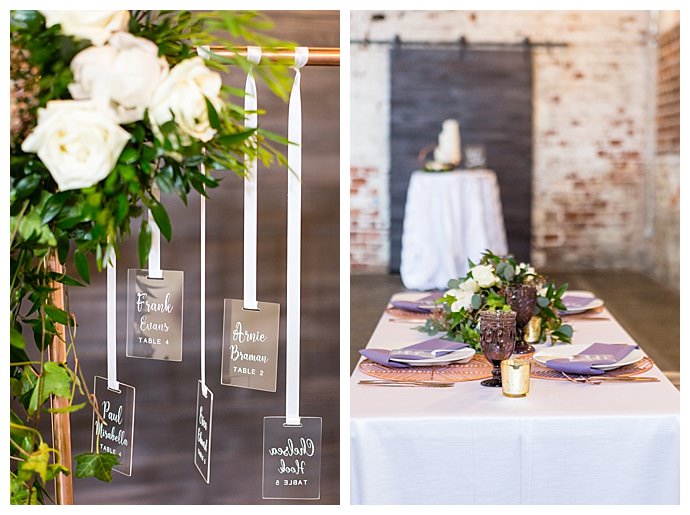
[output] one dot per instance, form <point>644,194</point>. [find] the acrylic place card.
<point>202,434</point>
<point>250,345</point>
<point>292,459</point>
<point>154,315</point>
<point>113,431</point>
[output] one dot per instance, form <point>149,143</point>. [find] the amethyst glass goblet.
<point>522,299</point>
<point>497,340</point>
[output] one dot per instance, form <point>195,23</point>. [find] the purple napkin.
<point>595,354</point>
<point>383,356</point>
<point>418,306</point>
<point>576,301</point>
<point>413,307</point>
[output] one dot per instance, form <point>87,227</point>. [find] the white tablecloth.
<point>449,217</point>
<point>565,443</point>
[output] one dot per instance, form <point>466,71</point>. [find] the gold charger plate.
<point>479,368</point>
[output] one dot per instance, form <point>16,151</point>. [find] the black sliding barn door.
<point>490,93</point>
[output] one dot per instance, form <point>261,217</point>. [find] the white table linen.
<point>565,443</point>
<point>449,217</point>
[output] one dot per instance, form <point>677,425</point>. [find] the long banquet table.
<point>565,443</point>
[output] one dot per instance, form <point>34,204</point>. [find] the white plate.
<point>463,355</point>
<point>595,302</point>
<point>568,350</point>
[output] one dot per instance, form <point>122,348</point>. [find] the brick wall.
<point>593,129</point>
<point>665,242</point>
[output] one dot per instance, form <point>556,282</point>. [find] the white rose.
<point>463,300</point>
<point>182,94</point>
<point>527,268</point>
<point>96,26</point>
<point>484,275</point>
<point>78,141</point>
<point>121,75</point>
<point>452,293</point>
<point>470,285</point>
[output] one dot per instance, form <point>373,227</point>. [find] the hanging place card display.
<point>154,305</point>
<point>204,396</point>
<point>292,459</point>
<point>250,328</point>
<point>154,315</point>
<point>250,345</point>
<point>113,421</point>
<point>113,431</point>
<point>202,433</point>
<point>292,444</point>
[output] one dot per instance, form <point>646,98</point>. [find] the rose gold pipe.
<point>64,493</point>
<point>318,56</point>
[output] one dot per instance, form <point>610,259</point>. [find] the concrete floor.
<point>648,311</point>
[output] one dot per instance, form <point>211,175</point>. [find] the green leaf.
<point>67,409</point>
<point>27,185</point>
<point>500,268</point>
<point>234,139</point>
<point>65,279</point>
<point>561,290</point>
<point>53,380</point>
<point>277,138</point>
<point>56,380</point>
<point>58,315</point>
<point>453,284</point>
<point>212,115</point>
<point>129,156</point>
<point>495,300</point>
<point>54,469</point>
<point>144,242</point>
<point>98,465</point>
<point>37,462</point>
<point>508,272</point>
<point>121,208</point>
<point>161,218</point>
<point>63,248</point>
<point>543,302</point>
<point>548,313</point>
<point>53,207</point>
<point>566,330</point>
<point>16,339</point>
<point>476,301</point>
<point>82,265</point>
<point>30,225</point>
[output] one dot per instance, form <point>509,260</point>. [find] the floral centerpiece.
<point>106,108</point>
<point>484,288</point>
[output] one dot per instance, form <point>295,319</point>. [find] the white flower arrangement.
<point>484,288</point>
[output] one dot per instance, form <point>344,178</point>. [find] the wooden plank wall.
<point>490,93</point>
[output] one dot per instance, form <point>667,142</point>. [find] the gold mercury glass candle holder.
<point>515,373</point>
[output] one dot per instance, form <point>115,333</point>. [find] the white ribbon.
<point>250,185</point>
<point>155,250</point>
<point>205,53</point>
<point>202,285</point>
<point>111,319</point>
<point>294,220</point>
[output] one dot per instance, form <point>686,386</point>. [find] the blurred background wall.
<point>605,132</point>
